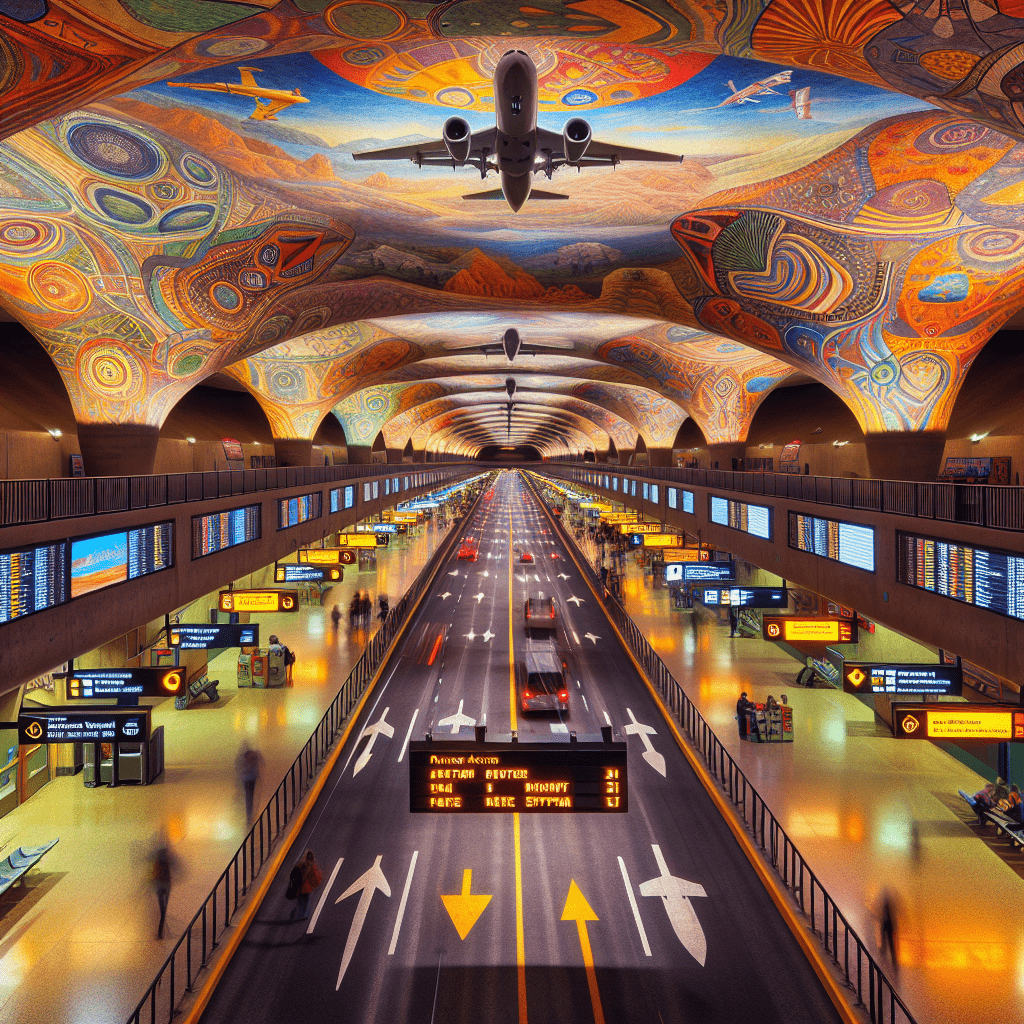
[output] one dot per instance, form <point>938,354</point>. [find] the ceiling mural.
<point>195,187</point>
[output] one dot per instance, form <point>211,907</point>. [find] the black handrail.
<point>192,952</point>
<point>997,506</point>
<point>850,955</point>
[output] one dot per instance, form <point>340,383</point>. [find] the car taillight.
<point>527,695</point>
<point>552,611</point>
<point>563,696</point>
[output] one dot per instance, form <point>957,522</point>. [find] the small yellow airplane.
<point>269,102</point>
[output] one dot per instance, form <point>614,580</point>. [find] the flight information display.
<point>849,543</point>
<point>328,556</point>
<point>739,515</point>
<point>693,572</point>
<point>201,636</point>
<point>744,597</point>
<point>300,509</point>
<point>809,629</point>
<point>986,722</point>
<point>95,683</point>
<point>86,725</point>
<point>465,777</point>
<point>989,579</point>
<point>32,579</point>
<point>225,529</point>
<point>259,601</point>
<point>109,558</point>
<point>896,680</point>
<point>292,572</point>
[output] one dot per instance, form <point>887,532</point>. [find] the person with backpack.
<point>384,607</point>
<point>304,879</point>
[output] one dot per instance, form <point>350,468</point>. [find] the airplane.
<point>763,87</point>
<point>511,345</point>
<point>269,102</point>
<point>800,100</point>
<point>516,148</point>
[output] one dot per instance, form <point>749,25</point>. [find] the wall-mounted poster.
<point>789,460</point>
<point>76,465</point>
<point>232,449</point>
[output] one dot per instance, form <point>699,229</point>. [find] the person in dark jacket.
<point>741,714</point>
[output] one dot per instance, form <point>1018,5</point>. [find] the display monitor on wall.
<point>32,579</point>
<point>740,515</point>
<point>222,530</point>
<point>849,543</point>
<point>106,559</point>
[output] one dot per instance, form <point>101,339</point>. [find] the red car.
<point>469,550</point>
<point>525,556</point>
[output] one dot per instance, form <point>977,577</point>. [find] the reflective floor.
<point>78,943</point>
<point>849,795</point>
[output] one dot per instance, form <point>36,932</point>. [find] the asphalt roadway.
<point>381,944</point>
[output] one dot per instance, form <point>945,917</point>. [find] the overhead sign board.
<point>695,572</point>
<point>504,778</point>
<point>326,556</point>
<point>355,540</point>
<point>686,554</point>
<point>292,572</point>
<point>984,722</point>
<point>601,506</point>
<point>809,629</point>
<point>259,601</point>
<point>660,540</point>
<point>895,680</point>
<point>84,725</point>
<point>201,636</point>
<point>744,597</point>
<point>96,683</point>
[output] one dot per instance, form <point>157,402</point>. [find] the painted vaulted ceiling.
<point>848,211</point>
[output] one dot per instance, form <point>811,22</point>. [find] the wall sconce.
<point>256,443</point>
<point>840,444</point>
<point>766,446</point>
<point>55,433</point>
<point>191,440</point>
<point>975,438</point>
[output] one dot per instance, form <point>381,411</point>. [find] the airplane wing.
<point>598,153</point>
<point>266,111</point>
<point>247,79</point>
<point>435,154</point>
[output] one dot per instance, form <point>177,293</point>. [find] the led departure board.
<point>987,578</point>
<point>809,629</point>
<point>896,680</point>
<point>739,515</point>
<point>32,579</point>
<point>94,683</point>
<point>300,509</point>
<point>849,543</point>
<point>327,556</point>
<point>225,529</point>
<point>744,597</point>
<point>259,601</point>
<point>200,636</point>
<point>105,559</point>
<point>984,722</point>
<point>693,572</point>
<point>502,778</point>
<point>685,554</point>
<point>84,725</point>
<point>291,572</point>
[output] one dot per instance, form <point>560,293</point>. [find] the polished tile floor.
<point>78,945</point>
<point>848,795</point>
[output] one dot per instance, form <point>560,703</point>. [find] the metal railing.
<point>849,954</point>
<point>192,952</point>
<point>37,501</point>
<point>999,507</point>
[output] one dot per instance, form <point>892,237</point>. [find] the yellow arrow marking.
<point>578,909</point>
<point>464,909</point>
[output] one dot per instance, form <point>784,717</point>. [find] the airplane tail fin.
<point>245,73</point>
<point>732,88</point>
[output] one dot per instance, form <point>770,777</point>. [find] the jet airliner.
<point>516,148</point>
<point>759,88</point>
<point>269,102</point>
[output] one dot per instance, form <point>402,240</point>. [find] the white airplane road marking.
<point>650,755</point>
<point>488,635</point>
<point>478,597</point>
<point>675,893</point>
<point>593,639</point>
<point>457,720</point>
<point>372,731</point>
<point>470,635</point>
<point>576,600</point>
<point>455,572</point>
<point>367,883</point>
<point>446,594</point>
<point>563,576</point>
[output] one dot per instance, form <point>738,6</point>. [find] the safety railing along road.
<point>999,507</point>
<point>855,962</point>
<point>192,952</point>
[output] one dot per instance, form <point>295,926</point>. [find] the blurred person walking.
<point>163,867</point>
<point>249,765</point>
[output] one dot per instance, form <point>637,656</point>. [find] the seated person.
<point>1002,791</point>
<point>1011,805</point>
<point>982,801</point>
<point>806,676</point>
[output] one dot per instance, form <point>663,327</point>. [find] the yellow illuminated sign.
<point>600,505</point>
<point>959,722</point>
<point>320,556</point>
<point>635,527</point>
<point>809,629</point>
<point>685,555</point>
<point>660,540</point>
<point>357,540</point>
<point>259,601</point>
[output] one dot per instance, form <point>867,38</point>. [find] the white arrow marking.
<point>405,745</point>
<point>470,635</point>
<point>454,573</point>
<point>563,576</point>
<point>323,898</point>
<point>576,600</point>
<point>536,576</point>
<point>479,597</point>
<point>650,755</point>
<point>488,635</point>
<point>368,882</point>
<point>523,579</point>
<point>401,905</point>
<point>446,594</point>
<point>675,894</point>
<point>636,909</point>
<point>457,720</point>
<point>575,637</point>
<point>590,636</point>
<point>372,731</point>
<point>485,572</point>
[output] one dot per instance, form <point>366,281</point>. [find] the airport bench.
<point>17,865</point>
<point>201,685</point>
<point>1009,827</point>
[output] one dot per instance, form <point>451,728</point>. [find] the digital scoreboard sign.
<point>695,572</point>
<point>290,572</point>
<point>94,683</point>
<point>744,597</point>
<point>84,725</point>
<point>464,777</point>
<point>259,601</point>
<point>202,637</point>
<point>984,722</point>
<point>809,629</point>
<point>896,680</point>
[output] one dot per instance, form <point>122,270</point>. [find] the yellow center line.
<point>520,930</point>
<point>588,964</point>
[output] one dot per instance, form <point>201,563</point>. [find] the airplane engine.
<point>575,139</point>
<point>457,139</point>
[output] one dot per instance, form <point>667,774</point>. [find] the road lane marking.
<point>488,635</point>
<point>675,893</point>
<point>381,726</point>
<point>516,835</point>
<point>458,720</point>
<point>607,719</point>
<point>575,637</point>
<point>578,909</point>
<point>464,908</point>
<point>593,639</point>
<point>636,909</point>
<point>366,884</point>
<point>650,755</point>
<point>576,600</point>
<point>405,745</point>
<point>323,897</point>
<point>404,900</point>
